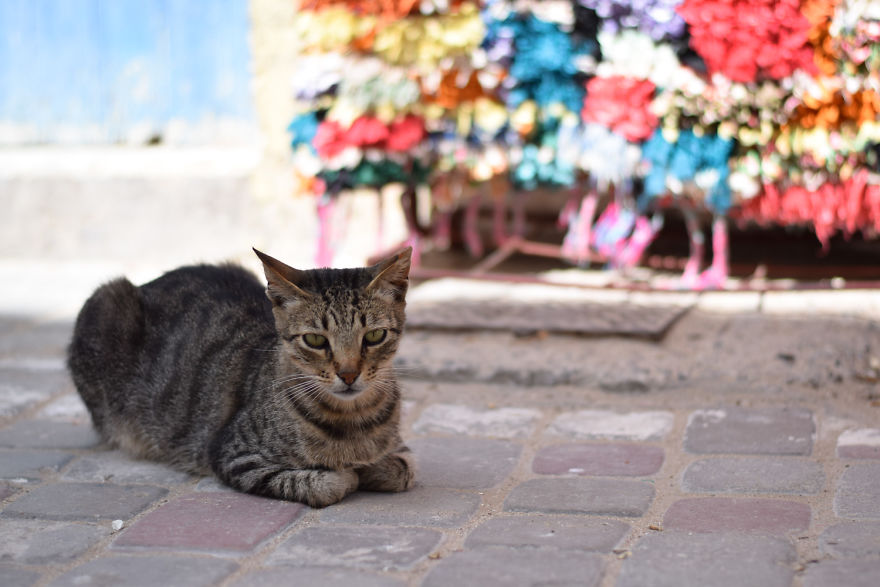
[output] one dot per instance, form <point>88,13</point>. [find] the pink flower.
<point>366,131</point>
<point>329,139</point>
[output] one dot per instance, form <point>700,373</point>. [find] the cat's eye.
<point>316,341</point>
<point>375,336</point>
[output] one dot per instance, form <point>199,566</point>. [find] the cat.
<point>285,390</point>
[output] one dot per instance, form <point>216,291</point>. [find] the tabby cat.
<point>292,397</point>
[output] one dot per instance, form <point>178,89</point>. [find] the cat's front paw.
<point>329,487</point>
<point>394,472</point>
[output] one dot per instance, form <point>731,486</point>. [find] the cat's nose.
<point>348,376</point>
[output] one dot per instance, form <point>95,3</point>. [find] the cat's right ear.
<point>283,280</point>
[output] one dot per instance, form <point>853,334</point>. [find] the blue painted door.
<point>103,71</point>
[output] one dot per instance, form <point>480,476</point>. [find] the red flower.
<point>749,39</point>
<point>622,105</point>
<point>366,131</point>
<point>405,133</point>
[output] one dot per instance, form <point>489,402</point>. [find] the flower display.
<point>761,111</point>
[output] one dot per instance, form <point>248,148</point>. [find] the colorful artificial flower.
<point>621,104</point>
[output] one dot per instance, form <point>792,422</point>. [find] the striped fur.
<point>200,370</point>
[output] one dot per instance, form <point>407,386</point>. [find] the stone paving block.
<point>85,501</point>
<point>16,577</point>
<point>420,506</point>
<point>213,484</point>
<point>21,389</point>
<point>67,408</point>
<point>581,495</point>
<point>7,490</point>
<point>858,492</point>
<point>765,431</point>
<point>27,338</point>
<point>147,571</point>
<point>375,547</point>
<point>604,424</point>
<point>681,559</point>
<point>37,542</point>
<point>48,434</point>
<point>463,463</point>
<point>117,467</point>
<point>468,421</point>
<point>322,576</point>
<point>841,573</point>
<point>515,567</point>
<point>863,443</point>
<point>30,464</point>
<point>627,460</point>
<point>789,475</point>
<point>851,540</point>
<point>212,522</point>
<point>725,514</point>
<point>560,532</point>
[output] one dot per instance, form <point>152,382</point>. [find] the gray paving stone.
<point>28,338</point>
<point>764,431</point>
<point>843,573</point>
<point>681,559</point>
<point>21,389</point>
<point>726,514</point>
<point>851,540</point>
<point>608,425</point>
<point>16,577</point>
<point>48,434</point>
<point>789,475</point>
<point>515,567</point>
<point>376,547</point>
<point>38,542</point>
<point>604,497</point>
<point>861,443</point>
<point>420,506</point>
<point>560,532</point>
<point>626,460</point>
<point>147,571</point>
<point>464,463</point>
<point>858,492</point>
<point>8,490</point>
<point>85,501</point>
<point>117,467</point>
<point>468,421</point>
<point>31,464</point>
<point>323,576</point>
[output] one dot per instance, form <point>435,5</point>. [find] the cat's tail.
<point>108,333</point>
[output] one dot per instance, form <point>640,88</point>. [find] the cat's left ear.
<point>392,275</point>
<point>283,280</point>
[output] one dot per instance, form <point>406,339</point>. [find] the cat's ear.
<point>283,280</point>
<point>392,274</point>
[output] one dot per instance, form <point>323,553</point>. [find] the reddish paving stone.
<point>581,495</point>
<point>734,430</point>
<point>560,532</point>
<point>848,573</point>
<point>851,540</point>
<point>682,559</point>
<point>516,566</point>
<point>858,492</point>
<point>631,460</point>
<point>85,501</point>
<point>725,514</point>
<point>211,522</point>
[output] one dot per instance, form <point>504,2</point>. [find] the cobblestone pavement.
<point>737,464</point>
